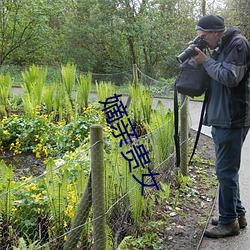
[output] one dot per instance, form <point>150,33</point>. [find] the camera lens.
<point>190,51</point>
<point>187,53</point>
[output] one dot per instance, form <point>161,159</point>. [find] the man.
<point>228,112</point>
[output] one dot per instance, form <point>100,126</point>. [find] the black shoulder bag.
<point>191,81</point>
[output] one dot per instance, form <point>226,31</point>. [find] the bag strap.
<point>199,127</point>
<point>176,126</point>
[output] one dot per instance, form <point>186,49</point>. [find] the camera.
<point>190,51</point>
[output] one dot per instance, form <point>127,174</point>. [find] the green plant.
<point>160,131</point>
<point>146,102</point>
<point>141,107</point>
<point>141,103</point>
<point>68,74</point>
<point>176,199</point>
<point>105,90</point>
<point>34,81</point>
<point>56,187</point>
<point>83,91</point>
<point>5,90</point>
<point>6,196</point>
<point>147,241</point>
<point>48,98</point>
<point>30,208</point>
<point>28,244</point>
<point>22,134</point>
<point>45,138</point>
<point>184,181</point>
<point>164,192</point>
<point>62,104</point>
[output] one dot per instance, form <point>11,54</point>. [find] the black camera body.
<point>190,51</point>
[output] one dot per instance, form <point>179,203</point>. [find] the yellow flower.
<point>14,209</point>
<point>38,156</point>
<point>73,199</point>
<point>37,196</point>
<point>6,132</point>
<point>31,187</point>
<point>69,211</point>
<point>45,151</point>
<point>17,152</point>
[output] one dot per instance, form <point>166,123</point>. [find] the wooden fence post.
<point>135,74</point>
<point>80,218</point>
<point>135,82</point>
<point>98,194</point>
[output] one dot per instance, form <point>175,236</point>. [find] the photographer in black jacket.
<point>228,112</point>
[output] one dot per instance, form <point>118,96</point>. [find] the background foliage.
<point>106,36</point>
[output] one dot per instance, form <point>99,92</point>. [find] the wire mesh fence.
<point>57,209</point>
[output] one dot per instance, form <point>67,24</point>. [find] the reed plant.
<point>105,90</point>
<point>83,91</point>
<point>48,98</point>
<point>62,106</point>
<point>161,129</point>
<point>6,184</point>
<point>56,184</point>
<point>34,80</point>
<point>119,182</point>
<point>141,102</point>
<point>5,90</point>
<point>68,74</point>
<point>141,106</point>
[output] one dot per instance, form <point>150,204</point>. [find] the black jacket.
<point>229,90</point>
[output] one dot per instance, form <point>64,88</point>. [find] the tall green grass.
<point>5,91</point>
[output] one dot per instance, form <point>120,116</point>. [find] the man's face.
<point>211,38</point>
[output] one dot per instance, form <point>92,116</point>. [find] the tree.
<point>21,21</point>
<point>237,13</point>
<point>101,36</point>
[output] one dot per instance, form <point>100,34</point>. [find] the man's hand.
<point>200,58</point>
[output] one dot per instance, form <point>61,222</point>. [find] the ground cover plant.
<point>52,124</point>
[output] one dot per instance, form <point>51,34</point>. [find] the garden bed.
<point>178,222</point>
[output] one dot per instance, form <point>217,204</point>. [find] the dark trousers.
<point>228,145</point>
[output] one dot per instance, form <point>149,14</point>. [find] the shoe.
<point>221,231</point>
<point>241,219</point>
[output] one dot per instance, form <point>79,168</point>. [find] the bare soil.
<point>187,222</point>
